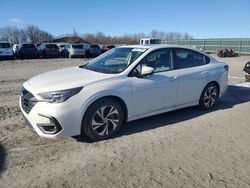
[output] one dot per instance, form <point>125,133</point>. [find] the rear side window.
<point>28,46</point>
<point>185,58</point>
<point>51,46</point>
<point>4,45</point>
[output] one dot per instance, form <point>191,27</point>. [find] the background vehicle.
<point>49,50</point>
<point>247,70</point>
<point>27,51</point>
<point>226,53</point>
<point>6,50</point>
<point>61,47</point>
<point>75,50</point>
<point>15,49</point>
<point>94,50</point>
<point>150,41</point>
<point>125,84</point>
<point>106,47</point>
<point>87,49</point>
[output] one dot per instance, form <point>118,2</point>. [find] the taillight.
<point>226,67</point>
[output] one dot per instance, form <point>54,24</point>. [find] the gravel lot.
<point>184,148</point>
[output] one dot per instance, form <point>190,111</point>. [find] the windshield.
<point>155,41</point>
<point>94,46</point>
<point>115,60</point>
<point>28,46</point>
<point>4,45</point>
<point>77,46</point>
<point>51,46</point>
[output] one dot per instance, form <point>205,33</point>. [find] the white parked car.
<point>75,50</point>
<point>121,85</point>
<point>149,41</point>
<point>6,50</point>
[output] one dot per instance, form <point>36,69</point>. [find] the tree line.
<point>33,34</point>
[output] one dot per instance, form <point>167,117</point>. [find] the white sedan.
<point>121,85</point>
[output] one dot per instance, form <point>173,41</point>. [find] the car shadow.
<point>235,95</point>
<point>2,158</point>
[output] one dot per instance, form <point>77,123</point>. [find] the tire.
<point>103,119</point>
<point>44,55</point>
<point>209,97</point>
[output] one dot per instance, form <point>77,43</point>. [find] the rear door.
<point>192,71</point>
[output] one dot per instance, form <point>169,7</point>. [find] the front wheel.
<point>209,96</point>
<point>103,119</point>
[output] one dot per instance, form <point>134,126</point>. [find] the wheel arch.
<point>114,97</point>
<point>217,84</point>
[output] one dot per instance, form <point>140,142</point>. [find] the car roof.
<point>159,46</point>
<point>4,42</point>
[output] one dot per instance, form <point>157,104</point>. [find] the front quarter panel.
<point>117,87</point>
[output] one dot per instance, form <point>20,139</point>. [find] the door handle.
<point>205,73</point>
<point>172,78</point>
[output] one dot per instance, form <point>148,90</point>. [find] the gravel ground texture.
<point>183,148</point>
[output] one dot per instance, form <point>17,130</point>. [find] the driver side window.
<point>160,60</point>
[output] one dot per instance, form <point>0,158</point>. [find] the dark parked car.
<point>106,48</point>
<point>247,70</point>
<point>94,50</point>
<point>49,50</point>
<point>27,51</point>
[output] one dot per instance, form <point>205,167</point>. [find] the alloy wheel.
<point>105,120</point>
<point>210,96</point>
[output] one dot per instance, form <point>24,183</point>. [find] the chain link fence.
<point>241,46</point>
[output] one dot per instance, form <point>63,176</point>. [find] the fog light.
<point>49,128</point>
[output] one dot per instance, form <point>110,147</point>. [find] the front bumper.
<point>53,120</point>
<point>247,75</point>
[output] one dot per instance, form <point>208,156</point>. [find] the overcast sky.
<point>200,18</point>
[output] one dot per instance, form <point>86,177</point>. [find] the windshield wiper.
<point>84,66</point>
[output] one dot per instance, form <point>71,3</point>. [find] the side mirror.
<point>147,71</point>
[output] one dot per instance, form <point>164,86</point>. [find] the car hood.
<point>64,79</point>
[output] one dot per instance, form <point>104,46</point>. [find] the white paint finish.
<point>6,52</point>
<point>153,92</point>
<point>65,79</point>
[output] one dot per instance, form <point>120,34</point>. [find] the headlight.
<point>59,96</point>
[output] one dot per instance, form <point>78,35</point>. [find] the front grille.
<point>28,100</point>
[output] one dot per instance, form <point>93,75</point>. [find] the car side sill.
<point>162,111</point>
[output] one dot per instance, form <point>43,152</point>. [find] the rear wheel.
<point>44,54</point>
<point>103,119</point>
<point>209,96</point>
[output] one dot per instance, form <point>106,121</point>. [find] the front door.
<point>157,91</point>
